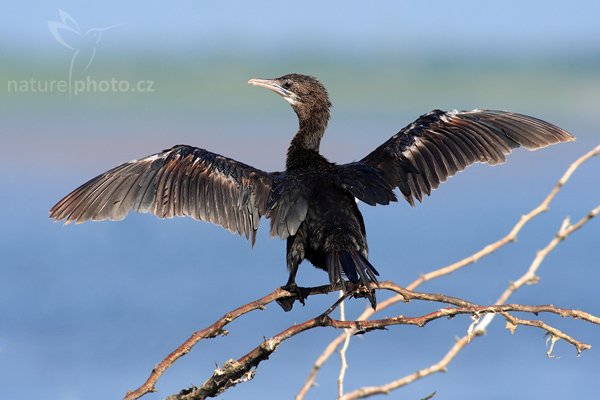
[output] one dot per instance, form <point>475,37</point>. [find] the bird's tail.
<point>355,267</point>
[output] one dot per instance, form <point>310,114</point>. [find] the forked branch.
<point>241,370</point>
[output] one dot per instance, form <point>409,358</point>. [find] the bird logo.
<point>83,44</point>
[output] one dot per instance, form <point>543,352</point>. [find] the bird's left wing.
<point>181,181</point>
<point>441,143</point>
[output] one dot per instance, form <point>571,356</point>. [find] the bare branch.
<point>234,372</point>
<point>478,328</point>
<point>510,237</point>
<point>553,332</point>
<point>530,276</point>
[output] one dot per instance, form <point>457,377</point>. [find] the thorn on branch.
<point>512,327</point>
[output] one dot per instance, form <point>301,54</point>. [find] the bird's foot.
<point>287,303</point>
<point>359,290</point>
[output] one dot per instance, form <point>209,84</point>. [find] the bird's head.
<point>304,93</point>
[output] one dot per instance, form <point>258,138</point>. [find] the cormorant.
<point>312,203</point>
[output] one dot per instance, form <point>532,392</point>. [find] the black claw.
<point>287,303</point>
<point>363,291</point>
<point>372,299</point>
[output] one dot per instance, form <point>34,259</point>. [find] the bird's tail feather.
<point>353,266</point>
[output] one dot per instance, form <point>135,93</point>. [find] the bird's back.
<point>333,217</point>
<point>333,221</point>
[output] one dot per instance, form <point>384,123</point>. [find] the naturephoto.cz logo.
<point>83,45</point>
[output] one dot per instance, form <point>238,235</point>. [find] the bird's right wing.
<point>181,181</point>
<point>441,143</point>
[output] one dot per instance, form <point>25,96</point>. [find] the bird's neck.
<point>312,124</point>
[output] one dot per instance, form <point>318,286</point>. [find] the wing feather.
<point>181,181</point>
<point>439,144</point>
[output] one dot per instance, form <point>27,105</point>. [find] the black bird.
<point>312,203</point>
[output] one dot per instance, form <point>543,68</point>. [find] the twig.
<point>343,362</point>
<point>530,276</point>
<point>513,322</point>
<point>510,237</point>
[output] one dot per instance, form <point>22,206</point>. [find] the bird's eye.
<point>287,84</point>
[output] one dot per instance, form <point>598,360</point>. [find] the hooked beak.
<point>270,84</point>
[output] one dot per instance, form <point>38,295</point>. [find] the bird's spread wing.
<point>181,181</point>
<point>439,144</point>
